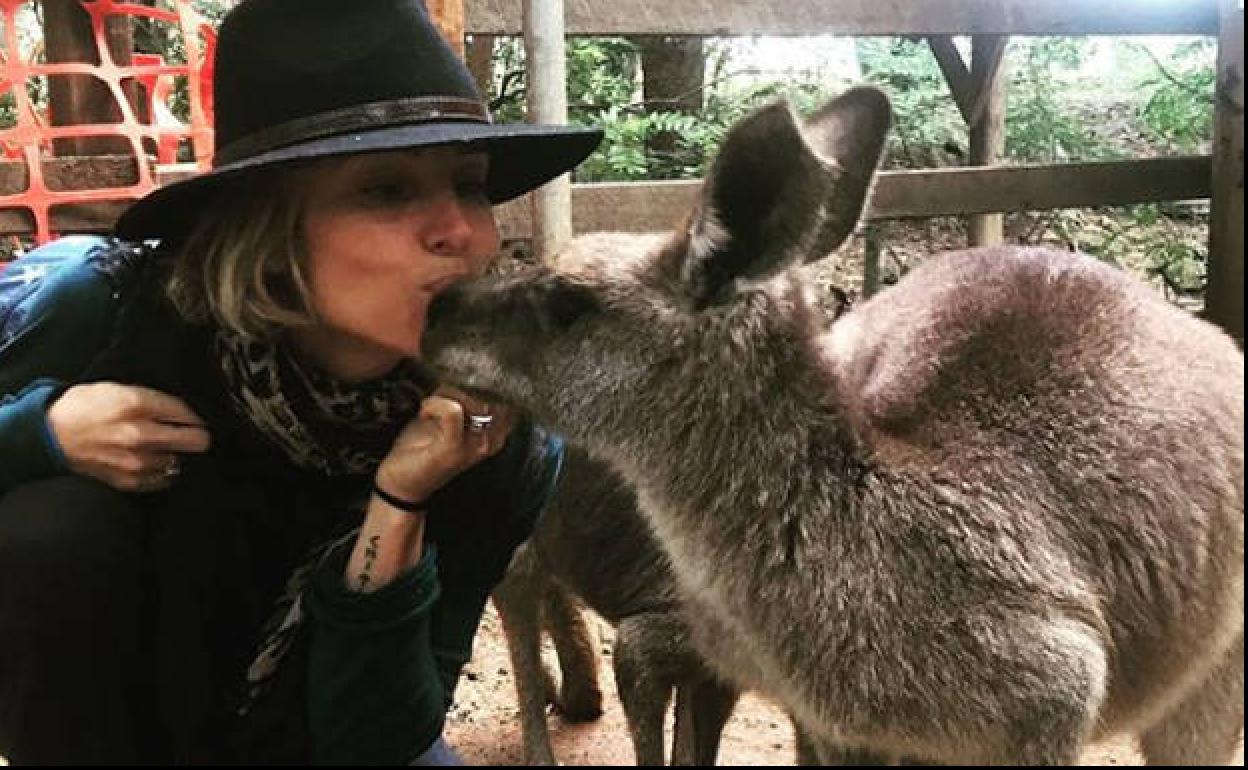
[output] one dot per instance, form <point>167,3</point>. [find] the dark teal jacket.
<point>379,670</point>
<point>56,310</point>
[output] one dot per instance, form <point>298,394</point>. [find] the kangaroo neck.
<point>744,421</point>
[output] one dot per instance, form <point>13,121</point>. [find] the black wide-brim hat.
<point>297,80</point>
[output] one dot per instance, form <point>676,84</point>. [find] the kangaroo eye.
<point>563,303</point>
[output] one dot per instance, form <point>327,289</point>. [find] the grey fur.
<point>990,515</point>
<point>591,543</point>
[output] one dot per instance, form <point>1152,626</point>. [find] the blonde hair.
<point>244,263</point>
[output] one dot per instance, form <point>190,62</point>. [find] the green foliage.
<point>8,110</point>
<point>602,72</point>
<point>927,124</point>
<point>1150,240</point>
<point>1050,115</point>
<point>213,10</point>
<point>627,151</point>
<point>1179,109</point>
<point>625,154</point>
<point>1039,126</point>
<point>604,90</point>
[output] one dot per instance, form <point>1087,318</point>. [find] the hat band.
<point>361,117</point>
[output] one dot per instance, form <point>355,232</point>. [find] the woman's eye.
<point>383,193</point>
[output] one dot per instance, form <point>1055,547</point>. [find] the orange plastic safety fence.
<point>30,138</point>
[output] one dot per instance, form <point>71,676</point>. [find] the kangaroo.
<point>992,514</point>
<point>591,542</point>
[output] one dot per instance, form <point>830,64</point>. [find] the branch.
<point>508,78</point>
<point>1171,76</point>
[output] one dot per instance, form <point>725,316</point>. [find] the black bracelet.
<point>410,506</point>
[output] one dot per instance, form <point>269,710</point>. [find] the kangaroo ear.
<point>781,192</point>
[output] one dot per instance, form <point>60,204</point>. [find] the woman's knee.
<point>70,534</point>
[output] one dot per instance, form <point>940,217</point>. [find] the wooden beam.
<point>962,191</point>
<point>957,74</point>
<point>861,17</point>
<point>88,172</point>
<point>66,219</point>
<point>1224,289</point>
<point>987,73</point>
<point>546,62</point>
<point>657,206</point>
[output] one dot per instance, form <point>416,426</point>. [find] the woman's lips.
<point>442,284</point>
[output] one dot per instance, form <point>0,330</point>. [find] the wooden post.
<point>448,16</point>
<point>480,57</point>
<point>1224,289</point>
<point>870,259</point>
<point>546,62</point>
<point>987,128</point>
<point>980,95</point>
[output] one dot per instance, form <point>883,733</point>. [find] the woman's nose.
<point>447,227</point>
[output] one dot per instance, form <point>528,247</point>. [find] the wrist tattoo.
<point>370,557</point>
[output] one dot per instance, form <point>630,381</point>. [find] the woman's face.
<point>384,233</point>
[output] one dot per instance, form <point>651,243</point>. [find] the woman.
<point>236,521</point>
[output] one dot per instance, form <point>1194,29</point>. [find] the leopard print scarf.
<point>320,423</point>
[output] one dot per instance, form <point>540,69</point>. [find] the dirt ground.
<point>485,729</point>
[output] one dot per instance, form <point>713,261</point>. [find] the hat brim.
<point>522,157</point>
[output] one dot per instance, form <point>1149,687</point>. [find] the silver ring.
<point>479,423</point>
<point>172,470</point>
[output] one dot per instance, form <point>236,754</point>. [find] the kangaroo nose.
<point>444,306</point>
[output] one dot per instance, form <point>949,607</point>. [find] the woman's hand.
<point>126,436</point>
<point>430,451</point>
<point>440,444</point>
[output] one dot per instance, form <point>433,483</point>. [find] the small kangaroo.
<point>990,515</point>
<point>591,542</point>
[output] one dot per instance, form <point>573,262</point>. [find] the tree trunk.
<point>672,71</point>
<point>480,57</point>
<point>81,99</point>
<point>1224,300</point>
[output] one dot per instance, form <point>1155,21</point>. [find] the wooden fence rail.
<point>654,206</point>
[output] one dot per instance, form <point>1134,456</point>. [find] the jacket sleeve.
<point>49,338</point>
<point>374,694</point>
